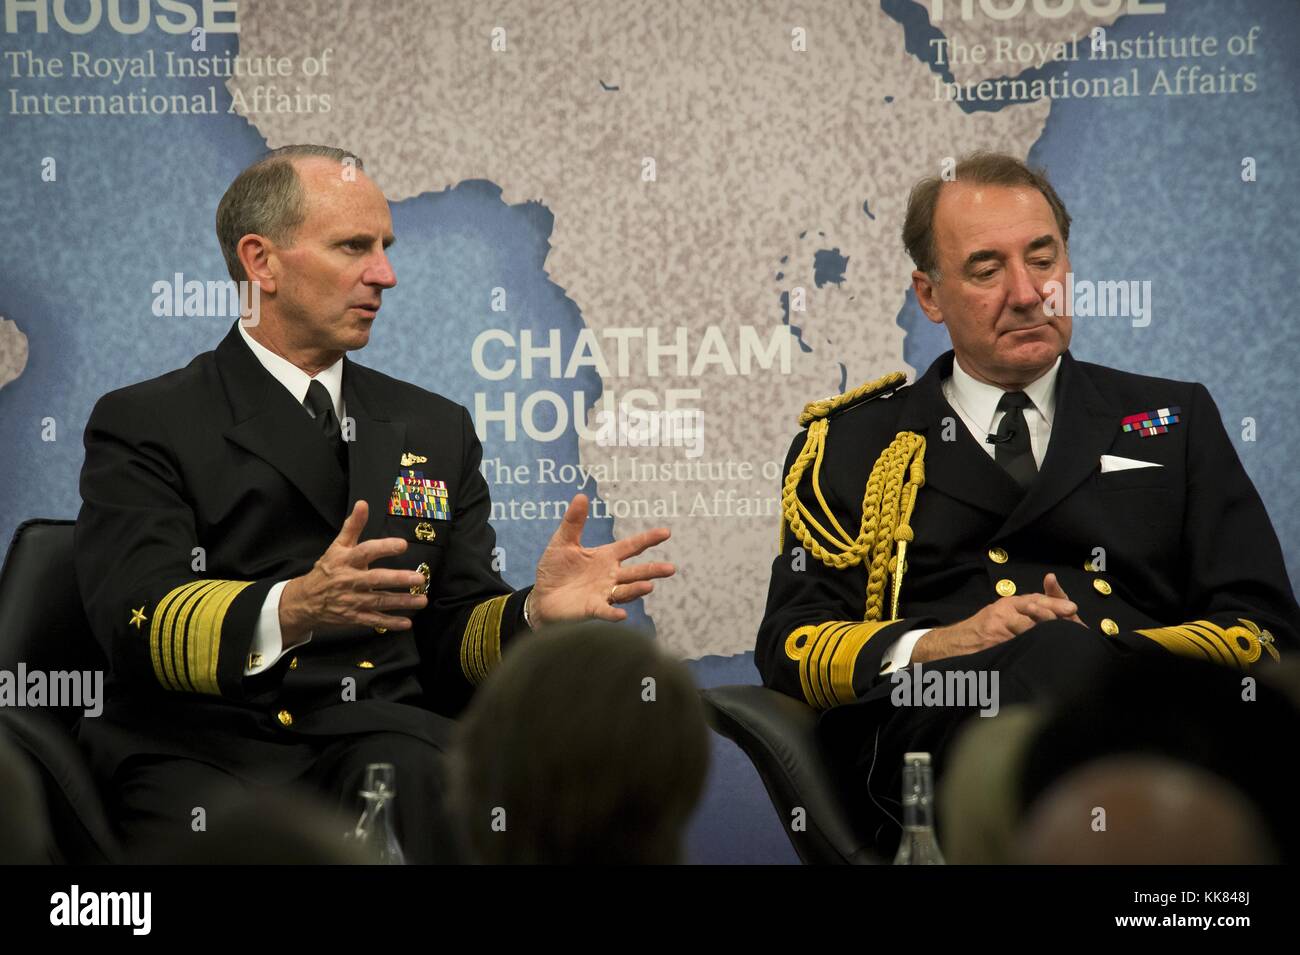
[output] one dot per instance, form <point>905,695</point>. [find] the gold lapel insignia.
<point>424,531</point>
<point>408,459</point>
<point>137,618</point>
<point>418,589</point>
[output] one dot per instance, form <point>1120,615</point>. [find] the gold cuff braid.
<point>480,645</point>
<point>827,654</point>
<point>185,634</point>
<point>1202,640</point>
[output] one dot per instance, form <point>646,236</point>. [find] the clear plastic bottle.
<point>375,829</point>
<point>918,845</point>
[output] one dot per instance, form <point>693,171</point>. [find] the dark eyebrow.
<point>985,255</point>
<point>1042,242</point>
<point>981,255</point>
<point>366,239</point>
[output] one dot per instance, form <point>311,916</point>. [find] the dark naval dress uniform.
<point>201,490</point>
<point>1178,558</point>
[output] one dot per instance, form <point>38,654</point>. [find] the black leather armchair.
<point>778,734</point>
<point>43,626</point>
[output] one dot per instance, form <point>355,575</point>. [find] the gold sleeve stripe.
<point>185,634</point>
<point>185,613</point>
<point>1233,646</point>
<point>210,615</point>
<point>827,654</point>
<point>469,664</point>
<point>480,647</point>
<point>164,619</point>
<point>1219,652</point>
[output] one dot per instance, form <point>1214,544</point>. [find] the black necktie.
<point>320,407</point>
<point>1011,443</point>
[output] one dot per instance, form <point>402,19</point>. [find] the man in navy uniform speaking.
<point>283,599</point>
<point>1014,511</point>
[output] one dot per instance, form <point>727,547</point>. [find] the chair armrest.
<point>77,818</point>
<point>779,735</point>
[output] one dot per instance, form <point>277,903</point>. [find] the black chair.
<point>43,625</point>
<point>778,734</point>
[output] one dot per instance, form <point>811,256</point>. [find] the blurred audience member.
<point>1144,810</point>
<point>269,827</point>
<point>588,745</point>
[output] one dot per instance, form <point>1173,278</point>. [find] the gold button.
<point>285,718</point>
<point>293,664</point>
<point>997,555</point>
<point>1087,565</point>
<point>1101,586</point>
<point>1109,627</point>
<point>365,665</point>
<point>381,629</point>
<point>1005,587</point>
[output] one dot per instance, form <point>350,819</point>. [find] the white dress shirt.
<point>267,646</point>
<point>976,403</point>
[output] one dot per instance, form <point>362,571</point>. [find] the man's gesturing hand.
<point>574,582</point>
<point>342,590</point>
<point>1001,620</point>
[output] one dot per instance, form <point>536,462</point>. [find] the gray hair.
<point>267,199</point>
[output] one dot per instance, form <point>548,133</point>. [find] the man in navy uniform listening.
<point>286,555</point>
<point>1014,511</point>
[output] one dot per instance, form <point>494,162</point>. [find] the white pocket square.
<point>1111,462</point>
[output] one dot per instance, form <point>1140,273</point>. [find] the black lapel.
<point>270,424</point>
<point>1083,427</point>
<point>959,468</point>
<point>375,453</point>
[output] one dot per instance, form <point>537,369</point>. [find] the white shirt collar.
<point>294,378</point>
<point>980,400</point>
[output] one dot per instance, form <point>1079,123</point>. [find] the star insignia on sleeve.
<point>137,618</point>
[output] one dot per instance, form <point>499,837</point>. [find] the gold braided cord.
<point>824,406</point>
<point>1200,639</point>
<point>887,506</point>
<point>820,409</point>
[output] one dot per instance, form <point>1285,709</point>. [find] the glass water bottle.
<point>375,830</point>
<point>918,846</point>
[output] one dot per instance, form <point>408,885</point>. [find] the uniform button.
<point>1087,565</point>
<point>997,555</point>
<point>1101,587</point>
<point>365,665</point>
<point>285,718</point>
<point>293,664</point>
<point>1109,627</point>
<point>1005,587</point>
<point>381,629</point>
